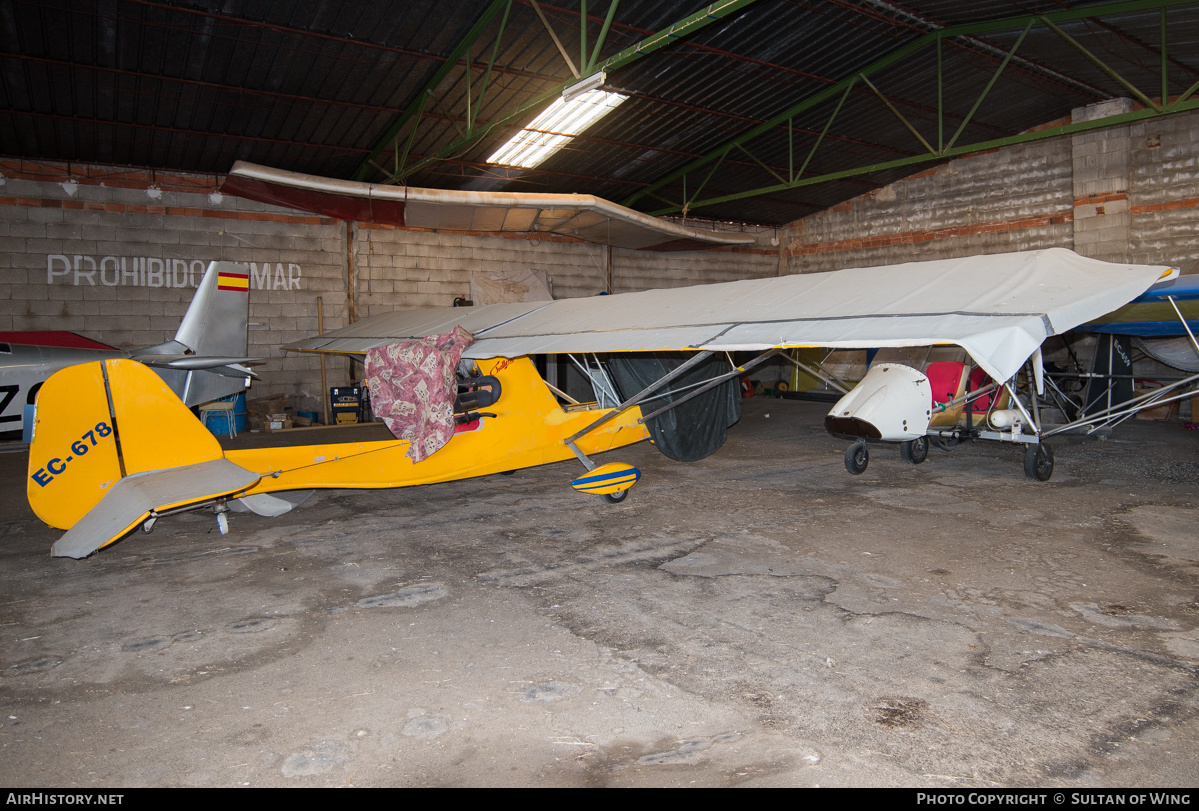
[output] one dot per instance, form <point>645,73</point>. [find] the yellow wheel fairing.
<point>615,477</point>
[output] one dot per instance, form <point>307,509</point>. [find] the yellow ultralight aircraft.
<point>122,461</point>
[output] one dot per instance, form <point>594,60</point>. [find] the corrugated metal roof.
<point>315,86</point>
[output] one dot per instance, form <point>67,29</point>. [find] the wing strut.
<point>713,383</point>
<point>570,441</point>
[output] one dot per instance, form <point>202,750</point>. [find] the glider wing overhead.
<point>999,308</point>
<point>576,215</point>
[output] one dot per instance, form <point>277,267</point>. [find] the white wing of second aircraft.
<point>999,308</point>
<point>584,216</point>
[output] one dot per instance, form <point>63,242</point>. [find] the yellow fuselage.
<point>530,428</point>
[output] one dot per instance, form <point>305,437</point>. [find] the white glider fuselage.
<point>23,370</point>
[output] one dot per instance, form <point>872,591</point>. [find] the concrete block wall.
<point>410,268</point>
<point>1163,176</point>
<point>1102,219</point>
<point>641,270</point>
<point>1127,193</point>
<point>404,268</point>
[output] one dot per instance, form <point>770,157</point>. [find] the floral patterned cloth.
<point>413,385</point>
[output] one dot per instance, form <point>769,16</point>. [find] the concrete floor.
<point>760,618</point>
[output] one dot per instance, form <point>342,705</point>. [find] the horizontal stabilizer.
<point>130,501</point>
<point>193,362</point>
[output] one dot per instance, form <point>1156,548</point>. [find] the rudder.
<point>100,422</point>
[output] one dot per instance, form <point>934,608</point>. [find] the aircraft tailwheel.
<point>1038,462</point>
<point>857,457</point>
<point>914,451</point>
<point>614,498</point>
<point>222,522</point>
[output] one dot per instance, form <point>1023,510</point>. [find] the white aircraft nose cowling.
<point>893,403</point>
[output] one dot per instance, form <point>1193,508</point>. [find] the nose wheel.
<point>857,457</point>
<point>1038,462</point>
<point>914,451</point>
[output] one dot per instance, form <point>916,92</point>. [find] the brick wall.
<point>1126,193</point>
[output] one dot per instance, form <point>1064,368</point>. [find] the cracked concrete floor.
<point>760,618</point>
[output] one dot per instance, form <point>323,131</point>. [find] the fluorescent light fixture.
<point>593,82</point>
<point>550,131</point>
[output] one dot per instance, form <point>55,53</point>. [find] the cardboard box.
<point>1161,412</point>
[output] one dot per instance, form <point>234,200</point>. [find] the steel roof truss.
<point>943,151</point>
<point>557,42</point>
<point>978,102</point>
<point>450,63</point>
<point>1110,71</point>
<point>898,114</point>
<point>676,32</point>
<point>956,152</point>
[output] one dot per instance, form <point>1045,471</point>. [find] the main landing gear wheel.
<point>1038,462</point>
<point>914,451</point>
<point>857,457</point>
<point>614,498</point>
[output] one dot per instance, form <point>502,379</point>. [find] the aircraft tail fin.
<point>217,320</point>
<point>203,362</point>
<point>111,445</point>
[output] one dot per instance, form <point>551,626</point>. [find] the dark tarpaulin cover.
<point>698,427</point>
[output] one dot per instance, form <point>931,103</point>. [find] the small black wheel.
<point>614,498</point>
<point>914,451</point>
<point>947,444</point>
<point>1038,462</point>
<point>857,457</point>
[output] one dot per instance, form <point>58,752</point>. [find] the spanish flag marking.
<point>233,281</point>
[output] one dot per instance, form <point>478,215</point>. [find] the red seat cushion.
<point>944,377</point>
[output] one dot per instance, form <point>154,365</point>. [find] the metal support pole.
<point>320,330</point>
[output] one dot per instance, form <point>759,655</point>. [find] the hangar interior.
<point>757,618</point>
